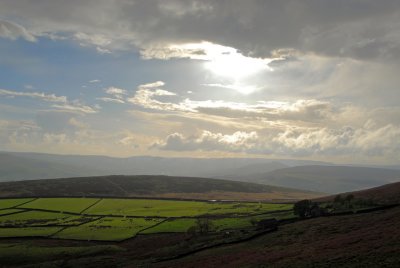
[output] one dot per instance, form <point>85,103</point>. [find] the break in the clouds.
<point>312,79</point>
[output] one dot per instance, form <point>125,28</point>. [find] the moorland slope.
<point>150,186</point>
<point>328,179</point>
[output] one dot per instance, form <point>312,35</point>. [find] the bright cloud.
<point>117,95</point>
<point>145,94</point>
<point>303,110</point>
<point>221,61</point>
<point>299,141</point>
<point>208,141</point>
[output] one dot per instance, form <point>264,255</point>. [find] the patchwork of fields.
<point>108,219</point>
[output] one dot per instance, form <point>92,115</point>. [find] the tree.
<point>349,198</point>
<point>302,208</point>
<point>191,231</point>
<point>203,225</point>
<point>338,199</point>
<point>253,222</point>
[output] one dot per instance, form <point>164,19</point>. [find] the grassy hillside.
<point>360,240</point>
<point>151,186</point>
<point>364,240</point>
<point>328,179</point>
<point>161,236</point>
<point>385,194</point>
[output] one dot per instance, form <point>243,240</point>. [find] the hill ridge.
<point>149,185</point>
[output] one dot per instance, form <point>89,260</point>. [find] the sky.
<point>304,79</point>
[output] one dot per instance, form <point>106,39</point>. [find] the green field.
<point>182,225</point>
<point>107,229</point>
<point>40,218</point>
<point>28,231</point>
<point>171,226</point>
<point>9,203</point>
<point>119,219</point>
<point>74,205</point>
<point>9,211</point>
<point>167,208</point>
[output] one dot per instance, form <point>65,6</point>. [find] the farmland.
<point>149,232</point>
<point>111,219</point>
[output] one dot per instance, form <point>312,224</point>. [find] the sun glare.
<point>234,65</point>
<point>225,62</point>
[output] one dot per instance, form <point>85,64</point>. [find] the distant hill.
<point>18,167</point>
<point>385,194</point>
<point>298,174</point>
<point>327,179</point>
<point>243,172</point>
<point>23,166</point>
<point>150,186</point>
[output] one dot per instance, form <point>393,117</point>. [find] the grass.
<point>107,229</point>
<point>109,219</point>
<point>360,240</point>
<point>182,225</point>
<point>74,205</point>
<point>38,218</point>
<point>171,226</point>
<point>18,253</point>
<point>7,211</point>
<point>9,203</point>
<point>28,231</point>
<point>166,208</point>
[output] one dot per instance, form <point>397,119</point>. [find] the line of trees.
<point>307,208</point>
<point>203,226</point>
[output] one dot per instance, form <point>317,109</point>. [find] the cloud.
<point>208,141</point>
<point>325,77</point>
<point>145,94</point>
<point>117,95</point>
<point>115,91</point>
<point>294,141</point>
<point>129,140</point>
<point>153,85</point>
<point>78,108</point>
<point>59,122</point>
<point>205,51</point>
<point>352,28</point>
<point>100,42</point>
<point>60,102</point>
<point>95,81</point>
<point>13,31</point>
<point>344,141</point>
<point>36,95</point>
<point>105,99</point>
<point>301,110</point>
<point>16,134</point>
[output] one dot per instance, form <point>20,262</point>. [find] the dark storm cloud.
<point>351,28</point>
